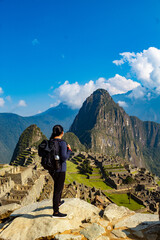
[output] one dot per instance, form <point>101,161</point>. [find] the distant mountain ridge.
<point>12,126</point>
<point>146,108</point>
<point>104,126</point>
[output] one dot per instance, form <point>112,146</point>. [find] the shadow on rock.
<point>145,230</point>
<point>29,216</point>
<point>41,209</point>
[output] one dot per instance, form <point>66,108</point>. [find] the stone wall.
<point>137,199</point>
<point>89,194</point>
<point>25,194</point>
<point>20,175</point>
<point>26,173</point>
<point>6,184</point>
<point>35,191</point>
<point>4,169</point>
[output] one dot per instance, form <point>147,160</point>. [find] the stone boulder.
<point>34,221</point>
<point>137,221</point>
<point>6,210</point>
<point>113,212</point>
<point>93,232</point>
<point>9,207</point>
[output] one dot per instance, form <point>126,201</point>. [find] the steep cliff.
<point>103,126</point>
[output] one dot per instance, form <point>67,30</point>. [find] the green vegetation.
<point>122,200</point>
<point>95,170</point>
<point>158,183</point>
<point>73,140</point>
<point>134,172</point>
<point>81,178</point>
<point>85,167</point>
<point>32,136</point>
<point>73,175</point>
<point>128,180</point>
<point>113,167</point>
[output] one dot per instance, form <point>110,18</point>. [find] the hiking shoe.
<point>61,202</point>
<point>59,215</point>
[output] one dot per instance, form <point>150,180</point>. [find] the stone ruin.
<point>6,184</point>
<point>20,185</point>
<point>24,184</point>
<point>28,157</point>
<point>90,194</point>
<point>150,199</point>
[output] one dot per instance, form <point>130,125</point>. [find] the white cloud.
<point>75,94</point>
<point>126,56</point>
<point>138,92</point>
<point>2,102</point>
<point>1,90</point>
<point>122,104</point>
<point>22,103</point>
<point>117,84</point>
<point>35,42</point>
<point>145,65</point>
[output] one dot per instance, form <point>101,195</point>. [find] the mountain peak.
<point>31,136</point>
<point>97,107</point>
<point>100,97</point>
<point>101,92</point>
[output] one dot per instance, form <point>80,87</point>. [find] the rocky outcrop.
<point>84,221</point>
<point>113,212</point>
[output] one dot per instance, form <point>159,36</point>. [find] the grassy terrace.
<point>134,172</point>
<point>113,166</point>
<point>73,175</point>
<point>158,183</point>
<point>120,199</point>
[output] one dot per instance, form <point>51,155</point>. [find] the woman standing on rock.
<point>59,175</point>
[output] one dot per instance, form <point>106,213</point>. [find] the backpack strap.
<point>56,144</point>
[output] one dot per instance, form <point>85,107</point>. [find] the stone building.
<point>21,185</point>
<point>92,195</point>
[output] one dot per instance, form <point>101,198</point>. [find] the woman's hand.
<point>69,147</point>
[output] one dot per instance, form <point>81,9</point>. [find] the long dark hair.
<point>56,131</point>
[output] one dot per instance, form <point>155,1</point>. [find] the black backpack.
<point>49,151</point>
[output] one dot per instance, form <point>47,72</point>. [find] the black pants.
<point>59,178</point>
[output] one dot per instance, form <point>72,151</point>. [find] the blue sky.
<point>53,51</point>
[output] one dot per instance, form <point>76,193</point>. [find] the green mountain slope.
<point>74,142</point>
<point>31,137</point>
<point>11,126</point>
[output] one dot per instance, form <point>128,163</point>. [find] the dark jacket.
<point>64,154</point>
